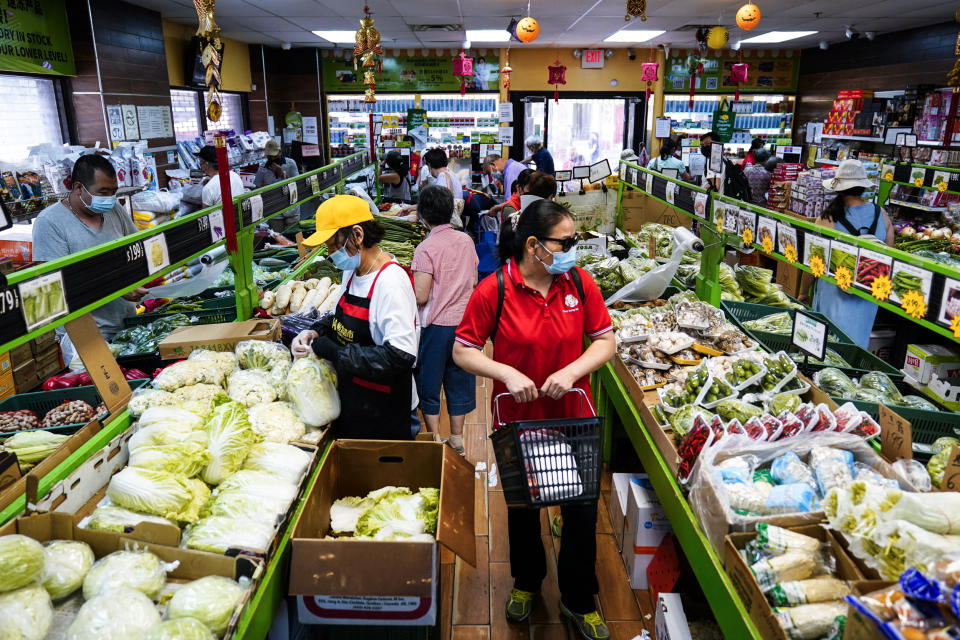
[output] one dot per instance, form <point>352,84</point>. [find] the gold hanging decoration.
<point>211,55</point>
<point>368,52</point>
<point>636,9</point>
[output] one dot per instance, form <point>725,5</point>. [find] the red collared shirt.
<point>537,337</point>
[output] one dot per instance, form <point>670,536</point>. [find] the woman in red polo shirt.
<point>549,305</point>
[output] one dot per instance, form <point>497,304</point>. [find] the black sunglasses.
<point>565,243</point>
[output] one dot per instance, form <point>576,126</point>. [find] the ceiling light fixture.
<point>774,37</point>
<point>336,37</point>
<point>577,53</point>
<point>736,45</point>
<point>824,45</point>
<point>488,35</point>
<point>634,35</point>
<point>466,44</point>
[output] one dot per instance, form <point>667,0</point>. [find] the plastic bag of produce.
<point>882,383</point>
<point>250,387</point>
<point>789,469</point>
<point>681,421</point>
<point>25,613</point>
<point>916,473</point>
<point>21,561</point>
<point>798,497</point>
<point>811,621</point>
<point>66,563</point>
<point>285,461</point>
<point>834,383</point>
<point>180,629</point>
<point>145,398</point>
<point>772,540</point>
<point>937,464</point>
<point>237,505</point>
<point>225,362</point>
<point>230,439</point>
<point>312,388</point>
<point>185,459</point>
<point>736,408</point>
<point>207,395</point>
<point>217,534</point>
<point>158,493</point>
<point>211,600</point>
<point>916,402</point>
<point>113,518</point>
<point>259,483</point>
<point>166,433</point>
<point>259,354</point>
<point>784,401</point>
<point>186,373</point>
<point>170,417</point>
<point>276,422</point>
<point>33,447</point>
<point>120,614</point>
<point>138,570</point>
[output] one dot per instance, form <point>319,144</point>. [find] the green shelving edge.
<point>723,599</point>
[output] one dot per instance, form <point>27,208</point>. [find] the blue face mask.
<point>99,204</point>
<point>563,261</point>
<point>344,261</point>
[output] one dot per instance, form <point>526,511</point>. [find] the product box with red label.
<point>922,360</point>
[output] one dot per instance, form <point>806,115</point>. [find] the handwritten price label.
<point>896,439</point>
<point>951,473</point>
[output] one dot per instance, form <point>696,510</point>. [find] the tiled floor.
<point>472,599</point>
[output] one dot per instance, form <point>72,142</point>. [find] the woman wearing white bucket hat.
<point>850,213</point>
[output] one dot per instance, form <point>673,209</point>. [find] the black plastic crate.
<point>41,402</point>
<point>742,312</point>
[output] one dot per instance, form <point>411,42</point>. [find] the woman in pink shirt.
<point>444,275</point>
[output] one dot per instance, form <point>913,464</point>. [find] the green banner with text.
<point>412,74</point>
<point>35,37</point>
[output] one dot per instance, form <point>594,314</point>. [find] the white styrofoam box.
<point>644,528</point>
<point>617,504</point>
<point>922,360</point>
<point>670,620</point>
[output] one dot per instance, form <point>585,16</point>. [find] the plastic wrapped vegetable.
<point>821,589</point>
<point>811,621</point>
<point>788,566</point>
<point>774,540</point>
<point>158,493</point>
<point>66,563</point>
<point>259,354</point>
<point>834,382</point>
<point>204,394</point>
<point>21,561</point>
<point>138,570</point>
<point>230,439</point>
<point>120,614</point>
<point>25,613</point>
<point>312,388</point>
<point>276,422</point>
<point>170,416</point>
<point>937,464</point>
<point>250,388</point>
<point>166,433</point>
<point>788,469</point>
<point>882,383</point>
<point>226,363</point>
<point>145,398</point>
<point>118,519</point>
<point>736,408</point>
<point>185,459</point>
<point>211,600</point>
<point>186,373</point>
<point>236,505</point>
<point>784,402</point>
<point>217,534</point>
<point>282,460</point>
<point>180,629</point>
<point>259,483</point>
<point>916,402</point>
<point>33,447</point>
<point>681,420</point>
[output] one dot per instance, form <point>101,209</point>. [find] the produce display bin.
<point>860,360</point>
<point>40,402</point>
<point>204,316</point>
<point>925,425</point>
<point>741,312</point>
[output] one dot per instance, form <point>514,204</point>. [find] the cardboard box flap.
<point>100,364</point>
<point>455,527</point>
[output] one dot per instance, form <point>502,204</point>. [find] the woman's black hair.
<point>435,158</point>
<point>835,210</point>
<point>372,233</point>
<point>756,143</point>
<point>523,179</point>
<point>760,156</point>
<point>397,163</point>
<point>542,184</point>
<point>435,205</point>
<point>536,220</point>
<point>668,147</point>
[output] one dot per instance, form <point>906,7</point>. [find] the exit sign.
<point>592,59</point>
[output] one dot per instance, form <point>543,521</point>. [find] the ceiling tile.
<point>249,37</point>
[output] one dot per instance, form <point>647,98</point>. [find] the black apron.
<point>369,409</point>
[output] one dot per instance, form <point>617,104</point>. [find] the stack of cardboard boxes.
<point>639,524</point>
<point>30,364</point>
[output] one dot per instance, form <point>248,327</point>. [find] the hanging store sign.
<point>592,59</point>
<point>35,38</point>
<point>773,74</point>
<point>413,74</point>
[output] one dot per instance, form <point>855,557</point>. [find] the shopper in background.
<point>87,217</point>
<point>539,155</point>
<point>712,180</point>
<point>668,160</point>
<point>548,306</point>
<point>540,187</point>
<point>373,336</point>
<point>396,186</point>
<point>758,177</point>
<point>850,213</point>
<point>507,207</point>
<point>211,184</point>
<point>436,162</point>
<point>509,167</point>
<point>444,274</point>
<point>276,167</point>
<point>751,158</point>
<point>594,148</point>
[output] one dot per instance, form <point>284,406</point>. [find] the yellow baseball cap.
<point>335,214</point>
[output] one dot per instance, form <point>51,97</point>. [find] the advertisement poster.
<point>35,38</point>
<point>413,74</point>
<point>767,74</point>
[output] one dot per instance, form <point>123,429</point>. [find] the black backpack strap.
<point>577,282</point>
<point>876,219</point>
<point>501,293</point>
<point>849,227</point>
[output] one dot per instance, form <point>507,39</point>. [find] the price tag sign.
<point>9,301</point>
<point>43,300</point>
<point>314,184</point>
<point>157,255</point>
<point>217,229</point>
<point>649,188</point>
<point>810,335</point>
<point>256,208</point>
<point>951,473</point>
<point>896,439</point>
<point>292,192</point>
<point>134,252</point>
<point>671,191</point>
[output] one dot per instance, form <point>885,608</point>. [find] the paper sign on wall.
<point>814,245</point>
<point>115,119</point>
<point>314,184</point>
<point>662,128</point>
<point>131,125</point>
<point>748,220</point>
<point>506,135</point>
<point>310,134</point>
<point>506,112</point>
<point>766,228</point>
<point>731,218</point>
<point>649,188</point>
<point>700,204</point>
<point>950,305</point>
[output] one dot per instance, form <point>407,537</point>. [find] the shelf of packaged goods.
<point>749,113</point>
<point>917,205</point>
<point>827,161</point>
<point>727,607</point>
<point>858,138</point>
<point>935,143</point>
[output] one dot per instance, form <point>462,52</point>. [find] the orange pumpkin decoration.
<point>528,30</point>
<point>748,16</point>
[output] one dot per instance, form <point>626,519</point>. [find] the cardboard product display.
<point>671,621</point>
<point>343,581</point>
<point>858,626</point>
<point>637,209</point>
<point>99,362</point>
<point>924,360</point>
<point>25,376</point>
<point>220,337</point>
<point>7,387</point>
<point>645,525</point>
<point>617,505</point>
<point>754,600</point>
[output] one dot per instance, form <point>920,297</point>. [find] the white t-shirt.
<point>393,310</point>
<point>211,190</point>
<point>722,175</point>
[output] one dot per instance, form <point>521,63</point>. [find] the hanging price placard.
<point>217,230</point>
<point>896,439</point>
<point>292,192</point>
<point>158,256</point>
<point>256,208</point>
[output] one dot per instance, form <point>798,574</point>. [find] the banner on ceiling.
<point>35,37</point>
<point>412,74</point>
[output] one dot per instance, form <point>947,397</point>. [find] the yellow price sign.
<point>844,278</point>
<point>881,287</point>
<point>914,304</point>
<point>888,176</point>
<point>955,326</point>
<point>767,244</point>
<point>816,266</point>
<point>790,253</point>
<point>747,236</point>
<point>918,182</point>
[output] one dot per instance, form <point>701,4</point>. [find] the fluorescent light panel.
<point>337,37</point>
<point>634,35</point>
<point>488,35</point>
<point>777,36</point>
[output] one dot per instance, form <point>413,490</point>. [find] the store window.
<point>189,113</point>
<point>30,116</point>
<point>232,115</point>
<point>186,114</point>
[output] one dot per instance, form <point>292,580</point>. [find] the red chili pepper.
<point>134,374</point>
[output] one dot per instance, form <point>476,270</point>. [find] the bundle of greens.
<point>390,513</point>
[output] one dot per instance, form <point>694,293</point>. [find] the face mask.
<point>344,261</point>
<point>99,204</point>
<point>563,261</point>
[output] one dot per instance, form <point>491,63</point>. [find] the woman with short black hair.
<point>394,183</point>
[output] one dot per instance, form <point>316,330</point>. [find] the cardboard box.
<point>645,525</point>
<point>7,387</point>
<point>788,277</point>
<point>217,337</point>
<point>25,376</point>
<point>6,366</point>
<point>859,626</point>
<point>41,341</point>
<point>922,360</point>
<point>617,505</point>
<point>639,208</point>
<point>370,582</point>
<point>671,621</point>
<point>754,601</point>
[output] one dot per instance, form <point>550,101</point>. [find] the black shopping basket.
<point>547,462</point>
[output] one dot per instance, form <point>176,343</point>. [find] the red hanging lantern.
<point>738,74</point>
<point>558,76</point>
<point>649,72</point>
<point>505,72</point>
<point>463,67</point>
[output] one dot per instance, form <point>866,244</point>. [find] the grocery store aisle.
<point>472,599</point>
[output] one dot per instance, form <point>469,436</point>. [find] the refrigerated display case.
<point>768,116</point>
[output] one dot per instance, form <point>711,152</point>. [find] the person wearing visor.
<point>372,337</point>
<point>537,310</point>
<point>87,217</point>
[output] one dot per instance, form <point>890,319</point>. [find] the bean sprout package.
<point>739,482</point>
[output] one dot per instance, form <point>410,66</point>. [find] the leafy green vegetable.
<point>138,570</point>
<point>233,504</point>
<point>345,512</point>
<point>736,408</point>
<point>185,459</point>
<point>112,518</point>
<point>282,460</point>
<point>276,422</point>
<point>119,614</point>
<point>312,388</point>
<point>259,354</point>
<point>259,483</point>
<point>180,629</point>
<point>32,447</point>
<point>211,600</point>
<point>158,493</point>
<point>230,439</point>
<point>784,402</point>
<point>21,561</point>
<point>216,534</point>
<point>25,613</point>
<point>941,455</point>
<point>66,564</point>
<point>399,515</point>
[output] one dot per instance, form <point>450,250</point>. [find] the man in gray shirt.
<point>277,167</point>
<point>88,217</point>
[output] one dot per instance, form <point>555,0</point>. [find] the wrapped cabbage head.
<point>217,534</point>
<point>25,613</point>
<point>207,395</point>
<point>145,398</point>
<point>66,565</point>
<point>185,459</point>
<point>119,614</point>
<point>33,447</point>
<point>118,519</point>
<point>250,388</point>
<point>226,362</point>
<point>276,422</point>
<point>242,506</point>
<point>211,600</point>
<point>259,483</point>
<point>158,493</point>
<point>138,570</point>
<point>180,629</point>
<point>259,354</point>
<point>312,388</point>
<point>285,461</point>
<point>21,561</point>
<point>186,373</point>
<point>230,439</point>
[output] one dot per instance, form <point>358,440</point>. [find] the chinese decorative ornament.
<point>717,38</point>
<point>913,303</point>
<point>558,76</point>
<point>649,72</point>
<point>463,68</point>
<point>881,287</point>
<point>211,51</point>
<point>369,53</point>
<point>738,74</point>
<point>844,278</point>
<point>505,72</point>
<point>527,30</point>
<point>790,253</point>
<point>748,16</point>
<point>636,9</point>
<point>816,266</point>
<point>694,65</point>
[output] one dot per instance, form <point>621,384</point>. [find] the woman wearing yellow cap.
<point>372,337</point>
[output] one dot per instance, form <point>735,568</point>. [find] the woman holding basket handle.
<point>537,308</point>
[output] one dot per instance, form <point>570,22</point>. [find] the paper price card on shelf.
<point>907,277</point>
<point>950,305</point>
<point>896,439</point>
<point>217,229</point>
<point>700,204</point>
<point>941,178</point>
<point>843,255</point>
<point>671,191</point>
<point>766,228</point>
<point>649,187</point>
<point>814,245</point>
<point>731,218</point>
<point>810,335</point>
<point>255,205</point>
<point>314,184</point>
<point>157,255</point>
<point>43,300</point>
<point>871,265</point>
<point>786,235</point>
<point>292,192</point>
<point>748,220</point>
<point>951,473</point>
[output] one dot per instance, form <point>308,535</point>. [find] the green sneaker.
<point>556,526</point>
<point>591,625</point>
<point>519,605</point>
